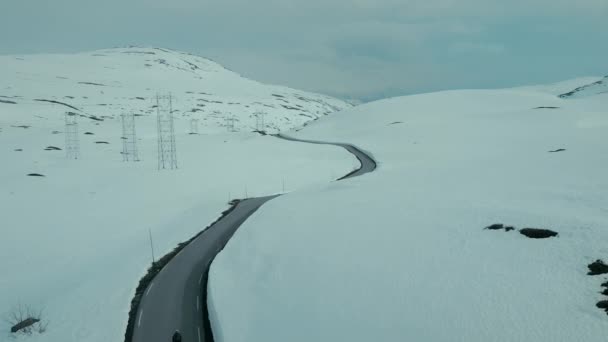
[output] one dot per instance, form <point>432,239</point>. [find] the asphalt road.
<point>176,298</point>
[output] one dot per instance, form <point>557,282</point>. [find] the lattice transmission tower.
<point>230,123</point>
<point>129,138</point>
<point>167,156</point>
<point>260,124</point>
<point>72,143</point>
<point>194,126</point>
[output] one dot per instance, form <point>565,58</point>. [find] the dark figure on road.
<point>177,337</point>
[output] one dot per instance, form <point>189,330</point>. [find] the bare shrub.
<point>26,320</point>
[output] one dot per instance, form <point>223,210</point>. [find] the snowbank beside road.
<point>402,254</point>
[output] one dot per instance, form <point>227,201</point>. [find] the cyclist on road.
<point>177,337</point>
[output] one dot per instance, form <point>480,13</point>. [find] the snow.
<point>401,254</point>
<point>127,80</point>
<point>75,243</point>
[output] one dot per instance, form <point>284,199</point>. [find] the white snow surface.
<point>75,243</point>
<point>401,254</point>
<point>108,83</point>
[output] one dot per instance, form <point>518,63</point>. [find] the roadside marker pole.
<point>151,245</point>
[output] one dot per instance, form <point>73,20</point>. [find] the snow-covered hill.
<point>401,254</point>
<point>107,83</point>
<point>74,241</point>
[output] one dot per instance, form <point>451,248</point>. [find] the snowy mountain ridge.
<point>590,89</point>
<point>104,84</point>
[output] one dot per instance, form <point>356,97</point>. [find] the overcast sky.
<point>358,49</point>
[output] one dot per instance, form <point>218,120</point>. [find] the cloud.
<point>355,49</point>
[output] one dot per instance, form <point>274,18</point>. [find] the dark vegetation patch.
<point>93,83</point>
<point>156,267</point>
<point>597,267</point>
<point>603,305</point>
<point>36,175</point>
<point>52,148</point>
<point>102,142</point>
<point>536,233</point>
<point>8,102</point>
<point>546,107</point>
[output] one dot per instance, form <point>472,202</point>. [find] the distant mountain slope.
<point>106,83</point>
<point>590,89</point>
<point>560,87</point>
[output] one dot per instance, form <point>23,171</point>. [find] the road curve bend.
<point>176,298</point>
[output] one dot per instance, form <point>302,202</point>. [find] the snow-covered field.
<point>401,254</point>
<point>75,242</point>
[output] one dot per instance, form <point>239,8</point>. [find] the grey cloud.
<point>361,49</point>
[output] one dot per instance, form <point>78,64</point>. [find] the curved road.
<point>176,298</point>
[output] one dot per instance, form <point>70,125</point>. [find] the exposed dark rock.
<point>18,150</point>
<point>509,228</point>
<point>496,226</point>
<point>603,305</point>
<point>92,83</point>
<point>22,126</point>
<point>597,267</point>
<point>8,102</point>
<point>102,142</point>
<point>89,133</point>
<point>558,150</point>
<point>57,102</point>
<point>396,123</point>
<point>24,324</point>
<point>36,175</point>
<point>52,148</point>
<point>546,107</point>
<point>535,233</point>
